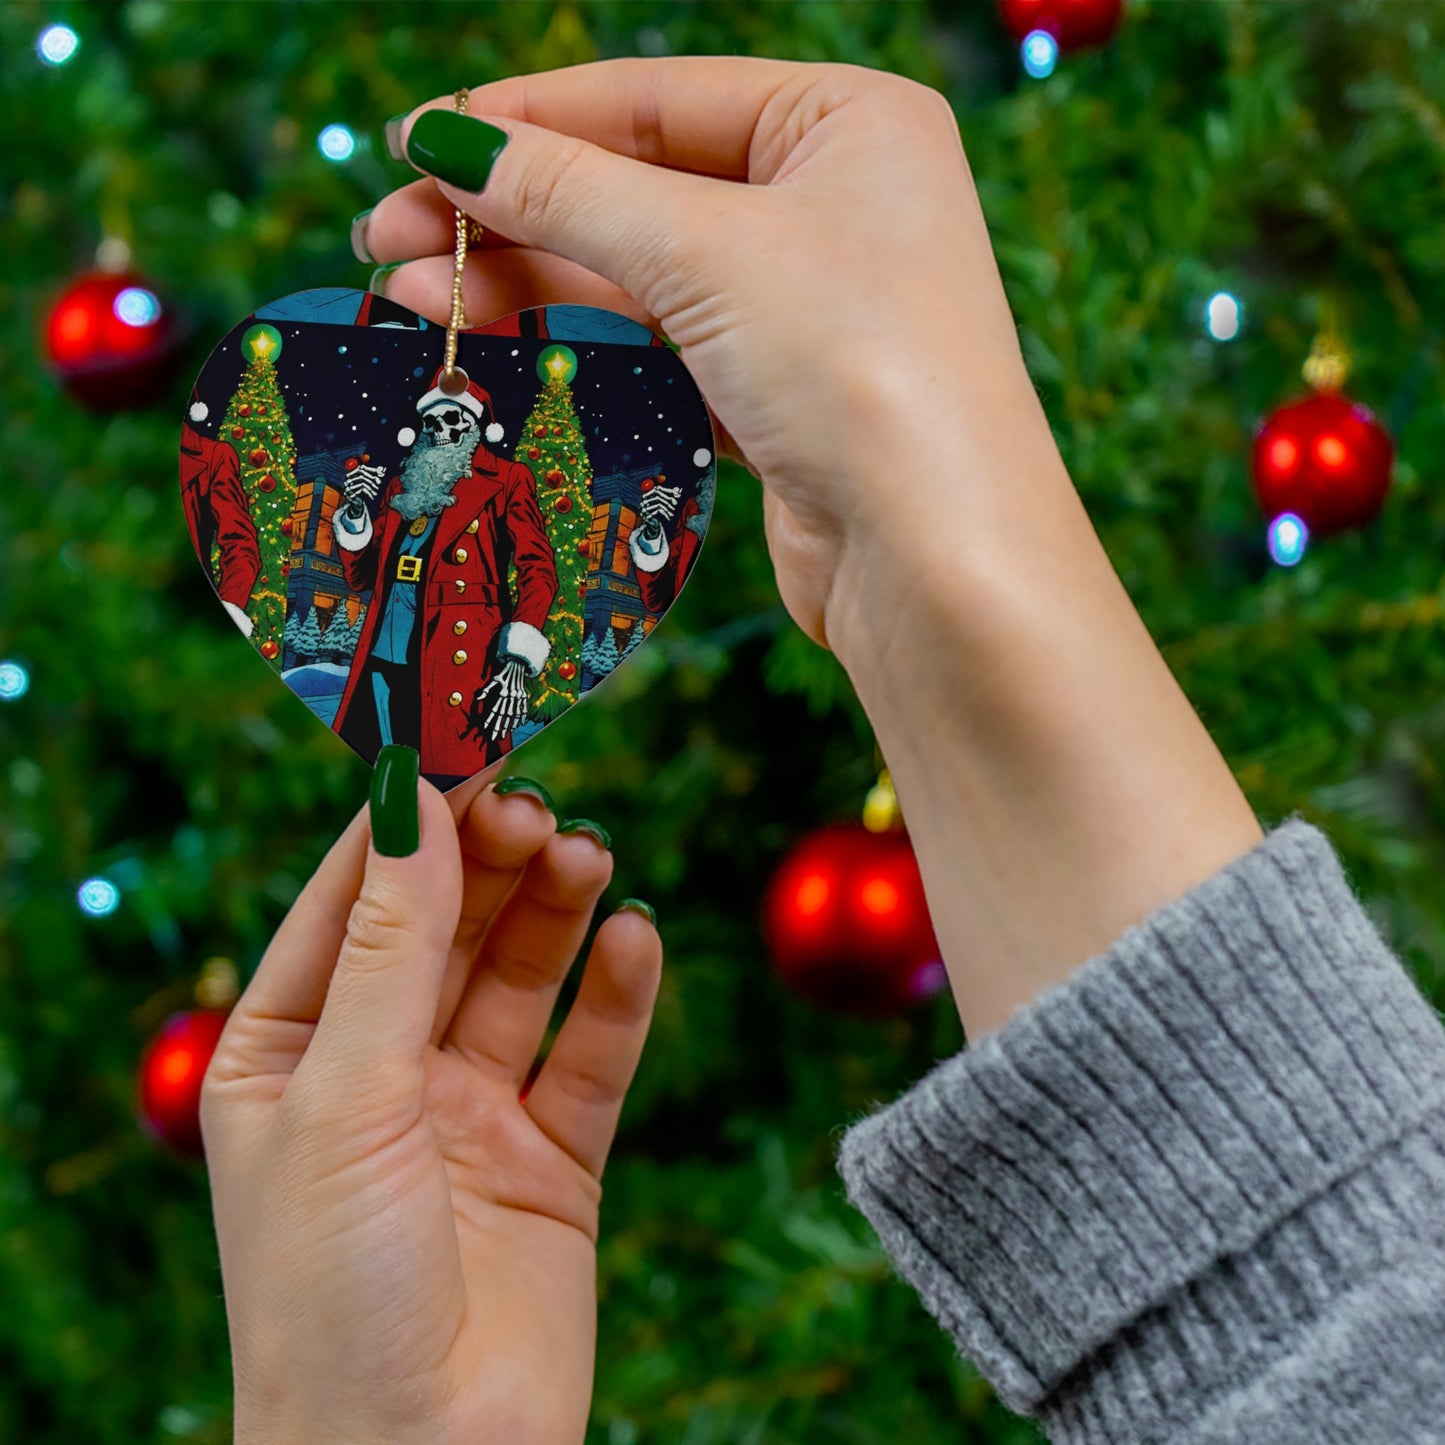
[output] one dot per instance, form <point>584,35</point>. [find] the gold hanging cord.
<point>455,380</point>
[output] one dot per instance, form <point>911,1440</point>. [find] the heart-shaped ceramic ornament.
<point>447,568</point>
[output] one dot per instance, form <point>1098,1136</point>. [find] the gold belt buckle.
<point>408,569</point>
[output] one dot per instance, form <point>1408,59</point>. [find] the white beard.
<point>428,474</point>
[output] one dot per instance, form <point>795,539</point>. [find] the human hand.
<point>407,1247</point>
<point>842,304</point>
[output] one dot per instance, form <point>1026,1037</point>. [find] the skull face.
<point>446,424</point>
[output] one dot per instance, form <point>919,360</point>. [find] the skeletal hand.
<point>659,505</point>
<point>363,482</point>
<point>508,706</point>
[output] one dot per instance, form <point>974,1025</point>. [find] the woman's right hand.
<point>833,309</point>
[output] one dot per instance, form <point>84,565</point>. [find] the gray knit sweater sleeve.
<point>1197,1191</point>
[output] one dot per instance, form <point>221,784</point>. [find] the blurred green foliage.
<point>1286,153</point>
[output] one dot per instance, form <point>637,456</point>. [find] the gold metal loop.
<point>455,380</point>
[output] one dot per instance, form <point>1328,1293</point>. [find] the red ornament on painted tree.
<point>111,341</point>
<point>1326,459</point>
<point>847,924</point>
<point>1073,23</point>
<point>171,1071</point>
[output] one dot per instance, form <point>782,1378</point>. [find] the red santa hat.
<point>475,399</point>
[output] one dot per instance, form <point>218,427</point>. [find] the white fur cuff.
<point>347,539</point>
<point>239,618</point>
<point>643,560</point>
<point>522,641</point>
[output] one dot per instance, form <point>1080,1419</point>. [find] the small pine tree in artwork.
<point>607,654</point>
<point>309,639</point>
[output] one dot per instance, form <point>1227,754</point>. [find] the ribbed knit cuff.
<point>1144,1181</point>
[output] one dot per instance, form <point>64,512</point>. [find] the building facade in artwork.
<point>316,581</point>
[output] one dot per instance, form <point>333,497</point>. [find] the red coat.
<point>462,603</point>
<point>660,588</point>
<point>216,512</point>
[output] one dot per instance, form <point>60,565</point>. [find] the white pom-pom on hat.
<point>495,432</point>
<point>200,411</point>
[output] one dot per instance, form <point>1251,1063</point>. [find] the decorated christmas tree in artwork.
<point>257,426</point>
<point>551,445</point>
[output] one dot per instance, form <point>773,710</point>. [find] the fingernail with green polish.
<point>532,789</point>
<point>455,148</point>
<point>395,820</point>
<point>586,825</point>
<point>377,284</point>
<point>393,136</point>
<point>359,248</point>
<point>636,905</point>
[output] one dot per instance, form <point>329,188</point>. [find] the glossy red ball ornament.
<point>554,476</point>
<point>244,409</point>
<point>1073,23</point>
<point>566,671</point>
<point>288,526</point>
<point>261,410</point>
<point>286,569</point>
<point>534,452</point>
<point>238,432</point>
<point>584,548</point>
<point>111,341</point>
<point>847,924</point>
<point>257,458</point>
<point>267,483</point>
<point>539,430</point>
<point>562,504</point>
<point>556,431</point>
<point>648,483</point>
<point>171,1071</point>
<point>269,650</point>
<point>352,463</point>
<point>1326,459</point>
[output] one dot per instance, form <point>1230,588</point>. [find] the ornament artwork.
<point>1073,24</point>
<point>1322,459</point>
<point>447,564</point>
<point>847,924</point>
<point>111,341</point>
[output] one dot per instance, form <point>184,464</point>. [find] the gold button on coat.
<point>461,584</point>
<point>455,699</point>
<point>459,657</point>
<point>474,524</point>
<point>460,555</point>
<point>459,626</point>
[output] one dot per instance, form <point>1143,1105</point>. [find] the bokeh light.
<point>57,44</point>
<point>1288,538</point>
<point>1223,316</point>
<point>336,143</point>
<point>137,307</point>
<point>1040,54</point>
<point>98,897</point>
<point>14,681</point>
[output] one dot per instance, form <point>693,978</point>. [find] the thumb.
<point>382,999</point>
<point>638,225</point>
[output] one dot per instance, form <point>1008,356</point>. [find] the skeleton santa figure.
<point>661,563</point>
<point>444,652</point>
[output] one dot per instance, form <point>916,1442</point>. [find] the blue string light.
<point>57,44</point>
<point>136,306</point>
<point>14,681</point>
<point>98,897</point>
<point>1223,316</point>
<point>1040,54</point>
<point>1288,538</point>
<point>336,143</point>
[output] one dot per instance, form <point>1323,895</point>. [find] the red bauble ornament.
<point>238,432</point>
<point>269,650</point>
<point>554,476</point>
<point>288,526</point>
<point>352,463</point>
<point>534,452</point>
<point>1326,459</point>
<point>258,458</point>
<point>286,569</point>
<point>563,504</point>
<point>366,456</point>
<point>648,483</point>
<point>847,924</point>
<point>243,410</point>
<point>1073,23</point>
<point>584,548</point>
<point>566,671</point>
<point>261,410</point>
<point>556,431</point>
<point>111,341</point>
<point>267,483</point>
<point>171,1071</point>
<point>539,430</point>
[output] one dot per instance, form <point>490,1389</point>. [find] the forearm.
<point>1056,782</point>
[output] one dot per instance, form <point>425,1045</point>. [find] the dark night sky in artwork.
<point>637,404</point>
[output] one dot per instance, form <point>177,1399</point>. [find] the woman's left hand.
<point>407,1244</point>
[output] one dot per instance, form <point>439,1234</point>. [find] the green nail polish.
<point>395,820</point>
<point>532,789</point>
<point>636,905</point>
<point>455,148</point>
<point>359,248</point>
<point>377,284</point>
<point>586,825</point>
<point>392,131</point>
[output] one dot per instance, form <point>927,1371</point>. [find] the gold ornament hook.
<point>455,380</point>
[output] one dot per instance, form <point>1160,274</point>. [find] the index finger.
<point>699,113</point>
